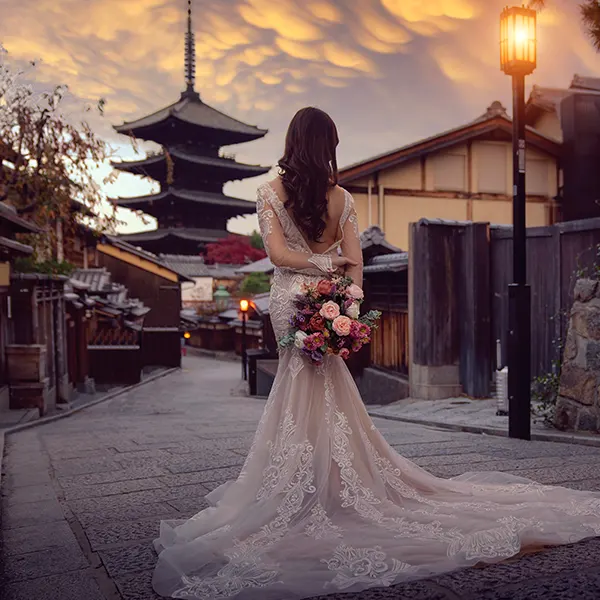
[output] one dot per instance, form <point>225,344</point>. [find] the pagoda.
<point>191,208</point>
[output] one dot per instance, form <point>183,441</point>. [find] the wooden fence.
<point>388,293</point>
<point>555,256</point>
<point>459,295</point>
<point>389,343</point>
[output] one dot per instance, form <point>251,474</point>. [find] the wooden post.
<point>475,311</point>
<point>434,360</point>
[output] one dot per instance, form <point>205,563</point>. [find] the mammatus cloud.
<point>389,71</point>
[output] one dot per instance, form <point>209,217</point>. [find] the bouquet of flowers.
<point>328,320</point>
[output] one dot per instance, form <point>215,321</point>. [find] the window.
<point>449,172</point>
<point>492,168</point>
<point>537,176</point>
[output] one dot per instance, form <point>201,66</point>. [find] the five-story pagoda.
<point>190,208</point>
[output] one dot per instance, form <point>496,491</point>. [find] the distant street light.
<point>518,58</point>
<point>244,306</point>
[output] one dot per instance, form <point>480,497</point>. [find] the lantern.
<point>221,297</point>
<point>518,44</point>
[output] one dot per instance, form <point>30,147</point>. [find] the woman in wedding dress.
<point>323,504</point>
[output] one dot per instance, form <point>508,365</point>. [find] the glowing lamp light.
<point>518,43</point>
<point>187,335</point>
<point>244,305</point>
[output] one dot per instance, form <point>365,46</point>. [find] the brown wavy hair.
<point>308,169</point>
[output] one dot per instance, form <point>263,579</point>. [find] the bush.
<point>47,267</point>
<point>255,283</point>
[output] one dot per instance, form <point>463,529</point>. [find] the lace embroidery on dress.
<point>322,492</point>
<point>363,565</point>
<point>319,526</point>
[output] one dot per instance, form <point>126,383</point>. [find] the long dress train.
<point>323,504</point>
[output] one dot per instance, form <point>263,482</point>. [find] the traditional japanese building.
<point>191,208</point>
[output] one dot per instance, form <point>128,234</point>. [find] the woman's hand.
<point>342,262</point>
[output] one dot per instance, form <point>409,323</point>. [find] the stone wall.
<point>578,404</point>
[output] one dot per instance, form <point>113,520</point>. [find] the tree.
<point>590,15</point>
<point>233,250</point>
<point>47,160</point>
<point>255,283</point>
<point>256,240</point>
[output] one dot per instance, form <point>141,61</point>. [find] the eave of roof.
<point>441,141</point>
<point>14,247</point>
<point>189,109</point>
<point>21,225</point>
<point>197,196</point>
<point>198,159</point>
<point>127,247</point>
<point>200,235</point>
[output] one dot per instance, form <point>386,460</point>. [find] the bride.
<point>323,504</point>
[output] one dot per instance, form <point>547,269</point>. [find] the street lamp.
<point>518,58</point>
<point>244,306</point>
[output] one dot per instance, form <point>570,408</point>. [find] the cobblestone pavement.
<point>83,496</point>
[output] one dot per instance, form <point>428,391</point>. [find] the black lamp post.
<point>244,306</point>
<point>518,50</point>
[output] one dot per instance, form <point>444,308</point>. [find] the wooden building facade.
<point>464,174</point>
<point>158,287</point>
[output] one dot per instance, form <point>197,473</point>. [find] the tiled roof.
<point>121,243</point>
<point>388,262</point>
<point>264,265</point>
<point>11,246</point>
<point>185,233</point>
<point>216,162</point>
<point>373,237</point>
<point>197,196</point>
<point>191,266</point>
<point>194,266</point>
<point>190,109</point>
<point>20,225</point>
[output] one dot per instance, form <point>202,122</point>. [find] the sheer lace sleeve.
<point>275,242</point>
<point>351,241</point>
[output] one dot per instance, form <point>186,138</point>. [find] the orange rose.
<point>324,287</point>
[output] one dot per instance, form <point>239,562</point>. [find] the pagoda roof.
<point>190,110</point>
<point>183,233</point>
<point>197,196</point>
<point>197,159</point>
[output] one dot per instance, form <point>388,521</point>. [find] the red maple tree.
<point>233,250</point>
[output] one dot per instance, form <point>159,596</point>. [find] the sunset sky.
<point>388,71</point>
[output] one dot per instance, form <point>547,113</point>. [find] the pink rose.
<point>342,325</point>
<point>345,353</point>
<point>330,310</point>
<point>325,287</point>
<point>355,292</point>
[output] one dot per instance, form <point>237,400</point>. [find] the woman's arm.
<point>276,246</point>
<point>351,245</point>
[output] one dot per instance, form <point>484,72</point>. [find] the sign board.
<point>199,291</point>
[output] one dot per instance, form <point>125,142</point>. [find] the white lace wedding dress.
<point>323,504</point>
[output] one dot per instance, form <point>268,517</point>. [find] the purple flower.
<point>317,356</point>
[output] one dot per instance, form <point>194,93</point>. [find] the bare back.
<point>335,208</point>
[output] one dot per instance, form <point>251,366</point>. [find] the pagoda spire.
<point>190,54</point>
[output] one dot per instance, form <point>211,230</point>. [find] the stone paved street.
<point>82,497</point>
